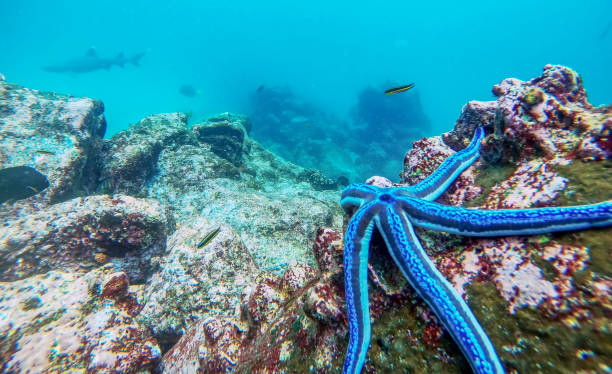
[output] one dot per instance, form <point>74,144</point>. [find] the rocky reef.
<point>58,135</point>
<point>544,300</point>
<point>304,133</point>
<point>106,270</point>
<point>136,207</point>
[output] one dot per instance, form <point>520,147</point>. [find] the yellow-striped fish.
<point>398,89</point>
<point>45,152</point>
<point>210,236</point>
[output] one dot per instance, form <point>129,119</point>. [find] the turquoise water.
<point>325,53</point>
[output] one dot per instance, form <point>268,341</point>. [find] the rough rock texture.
<point>545,301</point>
<point>548,116</point>
<point>268,201</point>
<point>296,323</point>
<point>267,213</point>
<point>130,156</point>
<point>225,134</point>
<point>80,234</point>
<point>243,342</point>
<point>264,200</point>
<point>196,282</point>
<point>65,321</point>
<point>58,135</point>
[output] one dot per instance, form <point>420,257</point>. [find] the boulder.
<point>81,234</point>
<point>58,135</point>
<point>130,156</point>
<point>61,322</point>
<point>197,281</point>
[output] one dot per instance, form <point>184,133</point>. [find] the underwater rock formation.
<point>196,282</point>
<point>225,134</point>
<point>97,245</point>
<point>58,135</point>
<point>130,155</point>
<point>257,298</point>
<point>65,321</point>
<point>263,199</point>
<point>548,117</point>
<point>81,234</point>
<point>544,300</point>
<point>193,173</point>
<point>298,131</point>
<point>308,136</point>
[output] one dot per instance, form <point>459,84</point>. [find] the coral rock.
<point>59,322</point>
<point>130,156</point>
<point>225,134</point>
<point>71,235</point>
<point>60,136</point>
<point>548,115</point>
<point>115,285</point>
<point>196,283</point>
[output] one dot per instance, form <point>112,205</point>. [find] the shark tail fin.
<point>135,60</point>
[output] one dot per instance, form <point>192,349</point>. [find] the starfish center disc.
<point>386,198</point>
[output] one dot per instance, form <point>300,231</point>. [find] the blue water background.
<point>324,51</point>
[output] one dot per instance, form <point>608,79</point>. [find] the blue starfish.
<point>394,211</point>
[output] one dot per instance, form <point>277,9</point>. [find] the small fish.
<point>44,152</point>
<point>398,89</point>
<point>210,236</point>
<point>188,90</point>
<point>20,182</point>
<point>260,88</point>
<point>342,181</point>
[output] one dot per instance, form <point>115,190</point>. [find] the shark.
<point>92,62</point>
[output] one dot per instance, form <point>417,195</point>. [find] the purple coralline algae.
<point>65,321</point>
<point>82,233</point>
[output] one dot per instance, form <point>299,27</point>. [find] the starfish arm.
<point>439,294</point>
<point>436,183</point>
<point>474,222</point>
<point>357,194</point>
<point>356,248</point>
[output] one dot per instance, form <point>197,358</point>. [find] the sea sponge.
<point>533,96</point>
<point>101,257</point>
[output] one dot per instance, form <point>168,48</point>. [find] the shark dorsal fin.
<point>91,52</point>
